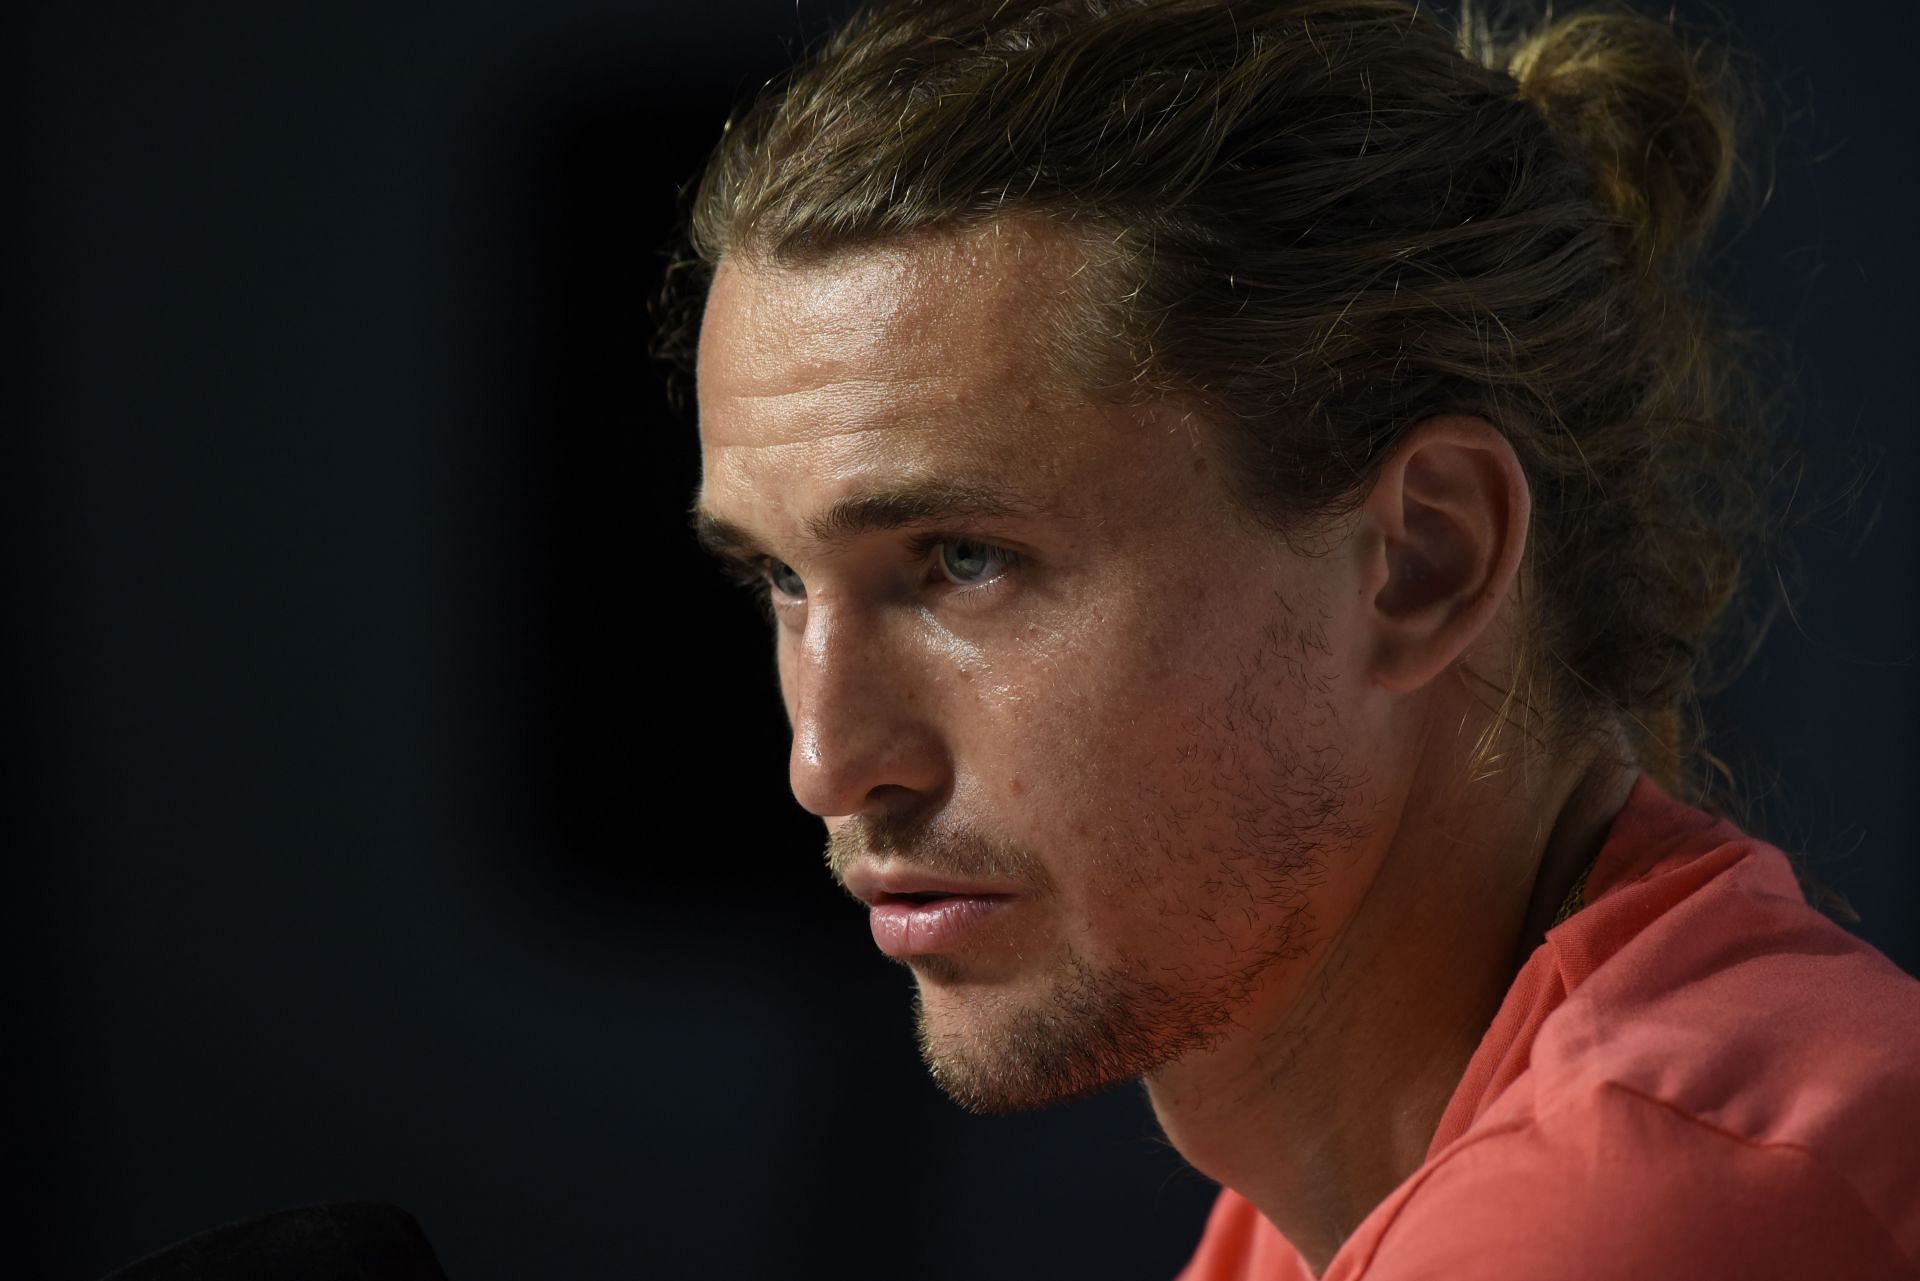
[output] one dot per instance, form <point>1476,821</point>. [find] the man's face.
<point>1080,731</point>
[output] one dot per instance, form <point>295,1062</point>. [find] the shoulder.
<point>1725,1069</point>
<point>1614,1183</point>
<point>1743,1012</point>
<point>1713,1090</point>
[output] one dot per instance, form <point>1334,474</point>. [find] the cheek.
<point>1172,747</point>
<point>1123,697</point>
<point>1070,742</point>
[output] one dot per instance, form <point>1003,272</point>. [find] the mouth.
<point>928,922</point>
<point>884,885</point>
<point>914,912</point>
<point>914,897</point>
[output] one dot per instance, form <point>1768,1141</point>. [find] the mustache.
<point>948,850</point>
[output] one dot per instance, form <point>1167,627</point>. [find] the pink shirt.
<point>1695,1076</point>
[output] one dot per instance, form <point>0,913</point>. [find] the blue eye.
<point>784,580</point>
<point>968,561</point>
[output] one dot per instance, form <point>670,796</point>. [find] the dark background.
<point>396,807</point>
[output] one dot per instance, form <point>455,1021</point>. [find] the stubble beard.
<point>1102,1027</point>
<point>1095,1031</point>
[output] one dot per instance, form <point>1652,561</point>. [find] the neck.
<point>1330,1096</point>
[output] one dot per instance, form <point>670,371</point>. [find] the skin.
<point>1226,778</point>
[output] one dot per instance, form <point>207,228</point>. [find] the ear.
<point>1450,511</point>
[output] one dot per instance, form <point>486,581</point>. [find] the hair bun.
<point>1651,113</point>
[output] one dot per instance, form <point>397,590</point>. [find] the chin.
<point>1000,1052</point>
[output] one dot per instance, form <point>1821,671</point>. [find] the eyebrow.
<point>918,503</point>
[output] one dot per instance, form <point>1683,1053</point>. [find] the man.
<point>1240,491</point>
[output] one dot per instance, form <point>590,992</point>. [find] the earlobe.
<point>1451,506</point>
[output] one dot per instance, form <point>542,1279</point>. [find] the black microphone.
<point>332,1241</point>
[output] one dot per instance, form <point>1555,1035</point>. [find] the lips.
<point>874,884</point>
<point>905,927</point>
<point>915,913</point>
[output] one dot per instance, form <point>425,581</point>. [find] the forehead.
<point>906,359</point>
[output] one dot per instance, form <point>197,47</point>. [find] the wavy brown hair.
<point>1320,223</point>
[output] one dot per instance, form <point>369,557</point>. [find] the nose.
<point>865,731</point>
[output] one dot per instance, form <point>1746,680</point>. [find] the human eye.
<point>770,582</point>
<point>968,562</point>
<point>779,575</point>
